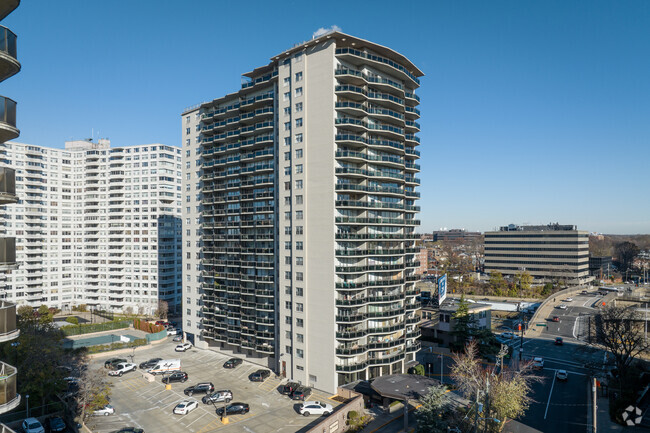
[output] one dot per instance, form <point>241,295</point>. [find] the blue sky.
<point>532,111</point>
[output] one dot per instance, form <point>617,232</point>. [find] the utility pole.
<point>595,407</point>
<point>487,402</point>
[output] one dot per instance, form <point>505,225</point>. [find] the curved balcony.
<point>8,329</point>
<point>9,398</point>
<point>7,7</point>
<point>8,130</point>
<point>9,64</point>
<point>350,368</point>
<point>7,260</point>
<point>8,185</point>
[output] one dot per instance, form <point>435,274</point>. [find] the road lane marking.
<point>550,394</point>
<point>575,325</point>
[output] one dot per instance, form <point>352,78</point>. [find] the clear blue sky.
<point>532,111</point>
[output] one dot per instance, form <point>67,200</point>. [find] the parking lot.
<point>148,405</point>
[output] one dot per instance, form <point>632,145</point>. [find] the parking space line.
<point>209,427</point>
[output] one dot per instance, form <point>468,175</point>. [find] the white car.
<point>568,300</point>
<point>562,307</point>
<point>185,407</point>
<point>32,425</point>
<point>562,375</point>
<point>174,331</point>
<point>538,363</point>
<point>122,368</point>
<point>183,347</point>
<point>106,410</point>
<point>315,408</point>
<point>508,335</point>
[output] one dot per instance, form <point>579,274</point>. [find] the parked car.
<point>199,388</point>
<point>149,364</point>
<point>562,375</point>
<point>556,319</point>
<point>178,339</point>
<point>177,376</point>
<point>129,430</point>
<point>260,376</point>
<point>120,369</point>
<point>508,335</point>
<point>315,408</point>
<point>56,424</point>
<point>32,425</point>
<point>584,292</point>
<point>172,331</point>
<point>218,397</point>
<point>110,363</point>
<point>185,407</point>
<point>105,411</point>
<point>234,409</point>
<point>232,363</point>
<point>302,393</point>
<point>289,387</point>
<point>559,341</point>
<point>183,347</point>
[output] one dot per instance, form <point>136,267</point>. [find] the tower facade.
<point>306,191</point>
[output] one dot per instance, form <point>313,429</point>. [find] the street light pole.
<point>27,399</point>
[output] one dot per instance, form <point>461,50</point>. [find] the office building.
<point>96,225</point>
<point>300,188</point>
<point>600,266</point>
<point>9,66</point>
<point>550,252</point>
<point>459,235</point>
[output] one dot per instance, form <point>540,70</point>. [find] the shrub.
<point>353,414</point>
<point>72,320</point>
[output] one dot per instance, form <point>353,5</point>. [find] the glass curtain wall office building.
<point>301,192</point>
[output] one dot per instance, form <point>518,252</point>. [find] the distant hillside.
<point>603,245</point>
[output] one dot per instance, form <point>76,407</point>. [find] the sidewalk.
<point>604,423</point>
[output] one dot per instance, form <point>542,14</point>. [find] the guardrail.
<point>532,323</point>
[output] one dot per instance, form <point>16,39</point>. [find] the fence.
<point>157,336</point>
<point>36,412</point>
<point>105,314</point>
<point>94,327</point>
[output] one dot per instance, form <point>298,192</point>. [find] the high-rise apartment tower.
<point>300,191</point>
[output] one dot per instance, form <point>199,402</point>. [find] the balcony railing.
<point>8,257</point>
<point>8,130</point>
<point>9,398</point>
<point>8,54</point>
<point>7,185</point>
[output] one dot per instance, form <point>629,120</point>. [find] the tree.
<point>620,330</point>
<point>497,283</point>
<point>625,254</point>
<point>524,281</point>
<point>432,416</point>
<point>463,322</point>
<point>163,309</point>
<point>45,315</point>
<point>547,290</point>
<point>503,396</point>
<point>94,392</point>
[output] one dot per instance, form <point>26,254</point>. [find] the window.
<point>286,96</point>
<point>299,122</point>
<point>298,230</point>
<point>287,126</point>
<point>298,76</point>
<point>299,291</point>
<point>299,261</point>
<point>299,138</point>
<point>287,261</point>
<point>287,156</point>
<point>287,305</point>
<point>187,131</point>
<point>287,111</point>
<point>299,91</point>
<point>300,323</point>
<point>300,338</point>
<point>298,168</point>
<point>287,245</point>
<point>299,245</point>
<point>187,141</point>
<point>287,335</point>
<point>298,199</point>
<point>287,275</point>
<point>299,215</point>
<point>287,186</point>
<point>286,81</point>
<point>287,320</point>
<point>288,350</point>
<point>287,141</point>
<point>313,378</point>
<point>287,215</point>
<point>298,107</point>
<point>299,276</point>
<point>300,367</point>
<point>287,170</point>
<point>298,153</point>
<point>299,306</point>
<point>287,200</point>
<point>300,353</point>
<point>287,290</point>
<point>299,184</point>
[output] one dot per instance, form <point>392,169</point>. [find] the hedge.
<point>94,327</point>
<point>147,327</point>
<point>116,346</point>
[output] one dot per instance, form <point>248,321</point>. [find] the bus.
<point>609,289</point>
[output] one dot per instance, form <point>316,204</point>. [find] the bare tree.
<point>502,395</point>
<point>94,392</point>
<point>163,309</point>
<point>625,254</point>
<point>620,330</point>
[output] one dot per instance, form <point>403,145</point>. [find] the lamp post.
<point>27,399</point>
<point>441,361</point>
<point>16,344</point>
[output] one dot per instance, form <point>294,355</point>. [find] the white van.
<point>538,363</point>
<point>165,366</point>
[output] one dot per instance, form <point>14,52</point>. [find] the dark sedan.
<point>234,409</point>
<point>110,363</point>
<point>149,364</point>
<point>232,363</point>
<point>56,424</point>
<point>129,430</point>
<point>260,376</point>
<point>177,376</point>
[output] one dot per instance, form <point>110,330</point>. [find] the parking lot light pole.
<point>27,399</point>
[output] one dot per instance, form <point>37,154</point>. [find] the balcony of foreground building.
<point>8,254</point>
<point>8,329</point>
<point>9,64</point>
<point>7,185</point>
<point>9,398</point>
<point>8,130</point>
<point>7,7</point>
<point>5,429</point>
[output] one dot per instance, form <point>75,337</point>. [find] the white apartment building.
<point>300,207</point>
<point>95,225</point>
